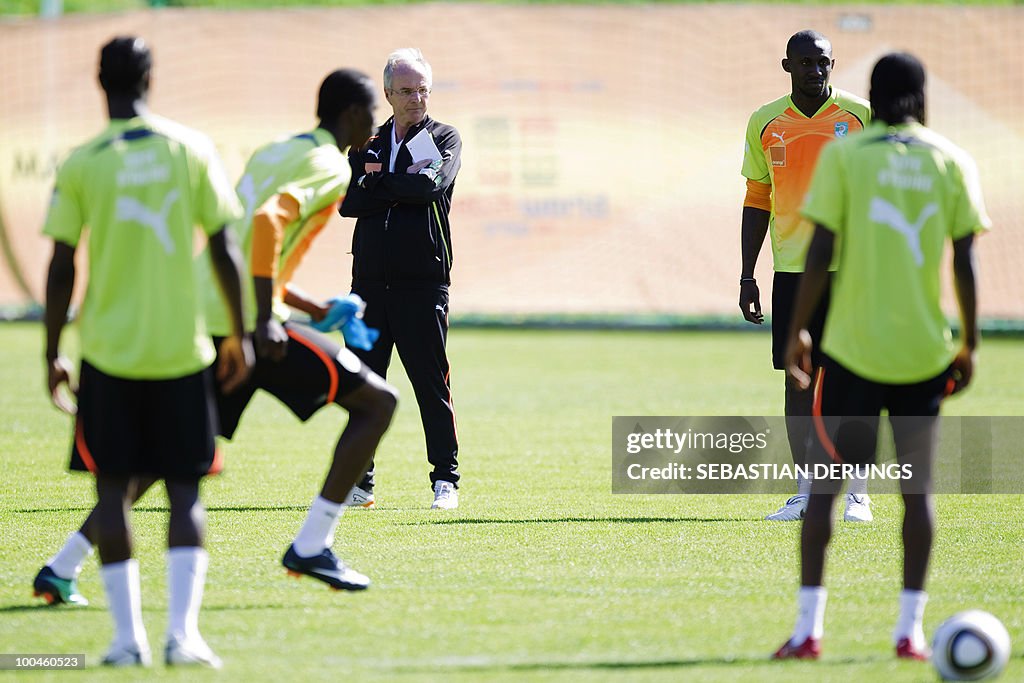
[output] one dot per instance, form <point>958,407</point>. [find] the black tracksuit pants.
<point>415,321</point>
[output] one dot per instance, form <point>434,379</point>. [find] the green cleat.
<point>56,590</point>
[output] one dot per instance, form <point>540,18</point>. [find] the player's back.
<point>905,176</point>
<point>908,191</point>
<point>140,187</point>
<point>291,165</point>
<point>310,168</point>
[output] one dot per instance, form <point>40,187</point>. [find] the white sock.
<point>810,621</point>
<point>910,624</point>
<point>67,563</point>
<point>186,576</point>
<point>803,486</point>
<point>124,597</point>
<point>859,481</point>
<point>317,531</point>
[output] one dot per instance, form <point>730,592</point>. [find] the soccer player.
<point>783,140</point>
<point>289,189</point>
<point>145,405</point>
<point>887,200</point>
<point>297,185</point>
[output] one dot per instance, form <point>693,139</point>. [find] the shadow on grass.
<point>164,508</point>
<point>455,520</point>
<point>43,608</point>
<point>626,665</point>
<point>577,520</point>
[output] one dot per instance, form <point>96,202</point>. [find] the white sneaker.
<point>358,498</point>
<point>446,496</point>
<point>792,511</point>
<point>127,655</point>
<point>858,508</point>
<point>194,652</point>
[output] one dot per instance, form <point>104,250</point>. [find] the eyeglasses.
<point>409,92</point>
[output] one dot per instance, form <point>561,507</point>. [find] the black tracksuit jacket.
<point>402,237</point>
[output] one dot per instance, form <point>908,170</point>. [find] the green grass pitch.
<point>541,574</point>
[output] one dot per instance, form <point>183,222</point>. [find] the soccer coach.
<point>404,178</point>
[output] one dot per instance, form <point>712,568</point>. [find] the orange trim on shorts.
<point>819,423</point>
<point>217,466</point>
<point>83,448</point>
<point>331,370</point>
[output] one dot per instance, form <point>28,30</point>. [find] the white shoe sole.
<point>121,657</point>
<point>790,512</point>
<point>184,655</point>
<point>858,516</point>
<point>857,512</point>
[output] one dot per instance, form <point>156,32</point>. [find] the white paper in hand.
<point>422,147</point>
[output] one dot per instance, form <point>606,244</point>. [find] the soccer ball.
<point>970,646</point>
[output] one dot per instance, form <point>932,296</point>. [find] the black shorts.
<point>159,428</point>
<point>784,287</point>
<point>315,371</point>
<point>847,409</point>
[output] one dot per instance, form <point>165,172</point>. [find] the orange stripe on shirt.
<point>291,260</point>
<point>268,228</point>
<point>759,195</point>
<point>331,370</point>
<point>83,448</point>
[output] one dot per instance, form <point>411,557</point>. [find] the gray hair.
<point>410,56</point>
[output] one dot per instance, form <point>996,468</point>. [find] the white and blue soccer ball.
<point>970,646</point>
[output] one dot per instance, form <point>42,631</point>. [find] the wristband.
<point>747,279</point>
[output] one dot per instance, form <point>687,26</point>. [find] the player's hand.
<point>963,369</point>
<point>798,360</point>
<point>418,166</point>
<point>271,340</point>
<point>58,375</point>
<point>235,361</point>
<point>750,302</point>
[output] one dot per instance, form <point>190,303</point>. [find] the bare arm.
<point>300,300</point>
<point>60,282</point>
<point>227,264</point>
<point>268,226</point>
<point>753,229</point>
<point>966,294</point>
<point>812,286</point>
<point>236,355</point>
<point>271,338</point>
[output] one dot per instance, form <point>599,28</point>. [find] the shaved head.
<point>807,37</point>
